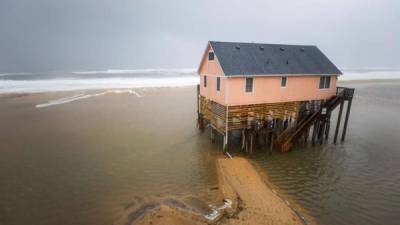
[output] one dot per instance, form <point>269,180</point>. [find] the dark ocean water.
<point>355,182</point>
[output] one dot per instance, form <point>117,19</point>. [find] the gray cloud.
<point>44,35</point>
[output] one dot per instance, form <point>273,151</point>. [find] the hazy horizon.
<point>85,35</point>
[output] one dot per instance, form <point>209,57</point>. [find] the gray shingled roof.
<point>250,59</point>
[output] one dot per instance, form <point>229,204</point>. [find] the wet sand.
<point>258,203</point>
<point>94,160</point>
<point>252,201</point>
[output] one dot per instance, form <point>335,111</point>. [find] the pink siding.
<point>268,90</point>
<point>265,89</point>
<point>212,70</point>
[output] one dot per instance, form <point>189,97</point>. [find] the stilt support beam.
<point>338,122</point>
<point>346,119</point>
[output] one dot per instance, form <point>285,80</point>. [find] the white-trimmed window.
<point>324,82</point>
<point>205,81</point>
<point>218,83</point>
<point>284,81</point>
<point>249,84</point>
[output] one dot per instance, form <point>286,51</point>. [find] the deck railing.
<point>344,92</point>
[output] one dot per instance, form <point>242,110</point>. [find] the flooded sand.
<point>95,160</point>
<point>247,200</point>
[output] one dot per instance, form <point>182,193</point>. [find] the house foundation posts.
<point>346,119</point>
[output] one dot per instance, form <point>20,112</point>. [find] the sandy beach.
<point>258,204</point>
<point>252,201</point>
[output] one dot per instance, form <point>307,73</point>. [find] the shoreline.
<point>171,86</point>
<point>247,200</point>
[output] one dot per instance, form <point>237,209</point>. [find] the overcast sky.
<point>71,35</point>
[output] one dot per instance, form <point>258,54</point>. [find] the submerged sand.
<point>69,124</point>
<point>253,201</point>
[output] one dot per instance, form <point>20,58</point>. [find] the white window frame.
<point>324,84</point>
<point>286,83</point>
<point>253,85</point>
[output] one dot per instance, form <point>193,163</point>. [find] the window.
<point>249,84</point>
<point>284,82</point>
<point>218,83</point>
<point>211,56</point>
<point>205,81</point>
<point>324,82</point>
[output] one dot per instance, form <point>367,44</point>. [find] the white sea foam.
<point>215,211</point>
<point>82,95</point>
<point>121,79</point>
<point>13,74</point>
<point>370,75</point>
<point>35,86</point>
<point>119,71</point>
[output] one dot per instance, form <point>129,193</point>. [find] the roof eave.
<point>278,75</point>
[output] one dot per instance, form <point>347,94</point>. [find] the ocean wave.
<point>13,74</point>
<point>370,75</point>
<point>82,95</point>
<point>97,74</point>
<point>118,79</point>
<point>138,71</point>
<point>36,86</point>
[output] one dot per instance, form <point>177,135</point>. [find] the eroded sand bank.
<point>253,201</point>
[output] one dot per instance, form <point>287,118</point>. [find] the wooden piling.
<point>198,99</point>
<point>247,141</point>
<point>328,126</point>
<point>271,142</point>
<point>201,122</point>
<point>338,121</point>
<point>224,145</point>
<point>251,142</point>
<point>200,119</point>
<point>306,135</point>
<point>346,119</point>
<point>320,132</point>
<point>315,132</point>
<point>243,139</point>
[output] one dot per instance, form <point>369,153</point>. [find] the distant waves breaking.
<point>36,86</point>
<point>140,78</point>
<point>82,95</point>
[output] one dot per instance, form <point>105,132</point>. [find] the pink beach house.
<point>249,73</point>
<point>243,83</point>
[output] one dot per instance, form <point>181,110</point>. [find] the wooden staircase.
<point>285,141</point>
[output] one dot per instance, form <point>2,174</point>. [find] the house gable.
<point>210,67</point>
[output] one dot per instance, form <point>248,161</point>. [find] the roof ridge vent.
<point>237,47</point>
<point>282,49</point>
